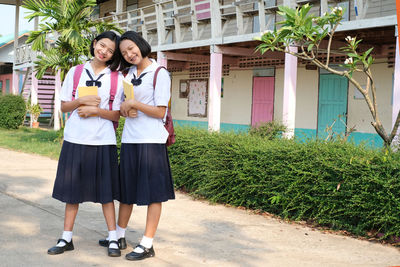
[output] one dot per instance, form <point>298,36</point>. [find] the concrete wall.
<point>358,112</point>
<point>236,103</point>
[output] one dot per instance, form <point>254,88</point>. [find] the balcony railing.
<point>171,24</point>
<point>175,24</point>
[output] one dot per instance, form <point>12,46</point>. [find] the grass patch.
<point>37,141</point>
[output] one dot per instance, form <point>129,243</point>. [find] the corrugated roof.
<point>9,38</point>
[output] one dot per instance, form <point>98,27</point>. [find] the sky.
<point>7,20</point>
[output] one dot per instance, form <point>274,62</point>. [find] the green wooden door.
<point>332,104</point>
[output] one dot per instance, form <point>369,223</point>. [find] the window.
<point>96,12</point>
<point>7,86</point>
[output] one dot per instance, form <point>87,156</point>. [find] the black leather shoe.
<point>147,253</point>
<point>121,243</point>
<point>113,252</point>
<point>58,250</point>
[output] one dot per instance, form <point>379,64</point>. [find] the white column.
<point>15,84</point>
<point>290,3</point>
<point>289,93</point>
<point>214,91</point>
<point>162,59</point>
<point>57,101</point>
<point>216,25</point>
<point>118,8</point>
<point>323,7</point>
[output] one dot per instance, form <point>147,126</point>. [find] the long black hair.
<point>115,60</point>
<point>141,43</point>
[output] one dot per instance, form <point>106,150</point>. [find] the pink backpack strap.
<point>155,76</point>
<point>113,89</point>
<point>77,76</point>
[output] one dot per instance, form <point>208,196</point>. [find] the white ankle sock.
<point>120,232</point>
<point>112,235</point>
<point>67,236</point>
<point>146,242</point>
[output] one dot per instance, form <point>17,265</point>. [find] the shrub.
<point>268,130</point>
<point>12,111</point>
<point>119,133</point>
<point>334,184</point>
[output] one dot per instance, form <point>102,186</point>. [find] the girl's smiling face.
<point>103,49</point>
<point>130,51</point>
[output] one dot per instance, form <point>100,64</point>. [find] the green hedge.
<point>334,184</point>
<point>12,111</point>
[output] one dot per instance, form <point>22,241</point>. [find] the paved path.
<point>191,233</point>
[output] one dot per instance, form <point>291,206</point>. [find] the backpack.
<point>113,89</point>
<point>168,124</point>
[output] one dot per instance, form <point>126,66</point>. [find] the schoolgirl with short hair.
<point>88,164</point>
<point>145,174</point>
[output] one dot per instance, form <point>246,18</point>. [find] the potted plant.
<point>35,110</point>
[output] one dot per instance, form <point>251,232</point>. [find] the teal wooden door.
<point>332,104</point>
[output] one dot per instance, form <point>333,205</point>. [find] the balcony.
<point>176,24</point>
<point>179,24</point>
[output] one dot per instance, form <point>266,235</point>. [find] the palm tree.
<point>64,36</point>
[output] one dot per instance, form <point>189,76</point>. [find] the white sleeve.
<point>66,89</point>
<point>162,92</point>
<point>120,93</point>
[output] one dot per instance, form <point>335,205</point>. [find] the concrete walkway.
<point>191,233</point>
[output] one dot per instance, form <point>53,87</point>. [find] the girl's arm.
<point>152,111</point>
<point>89,100</point>
<point>86,111</point>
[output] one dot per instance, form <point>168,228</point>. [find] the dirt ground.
<point>191,232</point>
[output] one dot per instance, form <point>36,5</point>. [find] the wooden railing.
<point>171,22</point>
<point>175,24</point>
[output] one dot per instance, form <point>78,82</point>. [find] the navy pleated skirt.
<point>145,174</point>
<point>87,173</point>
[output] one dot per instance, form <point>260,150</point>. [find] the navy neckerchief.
<point>137,81</point>
<point>93,82</point>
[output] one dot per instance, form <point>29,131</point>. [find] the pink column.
<point>396,84</point>
<point>214,91</point>
<point>57,101</point>
<point>15,82</point>
<point>289,93</point>
<point>162,59</point>
<point>34,90</point>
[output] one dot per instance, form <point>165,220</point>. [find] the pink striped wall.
<point>3,78</point>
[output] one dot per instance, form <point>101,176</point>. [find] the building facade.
<point>220,82</point>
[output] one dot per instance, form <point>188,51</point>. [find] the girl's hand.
<point>132,113</point>
<point>87,111</point>
<point>126,106</point>
<point>90,100</point>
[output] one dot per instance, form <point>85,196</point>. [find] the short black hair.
<point>115,60</point>
<point>142,44</point>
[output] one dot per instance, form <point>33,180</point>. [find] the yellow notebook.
<point>129,94</point>
<point>87,90</point>
<point>128,90</point>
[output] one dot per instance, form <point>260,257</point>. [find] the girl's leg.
<point>109,215</point>
<point>71,210</point>
<point>124,214</point>
<point>145,249</point>
<point>125,211</point>
<point>69,219</point>
<point>153,217</point>
<point>70,214</point>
